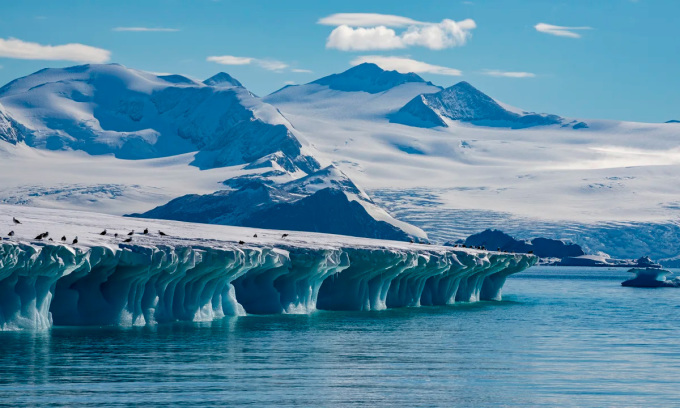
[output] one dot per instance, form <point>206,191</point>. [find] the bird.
<point>131,232</point>
<point>50,239</point>
<point>115,235</point>
<point>103,232</point>
<point>63,237</point>
<point>161,233</point>
<point>11,233</point>
<point>75,240</point>
<point>146,230</point>
<point>241,242</point>
<point>45,234</point>
<point>128,240</point>
<point>254,235</point>
<point>16,221</point>
<point>39,237</point>
<point>284,235</point>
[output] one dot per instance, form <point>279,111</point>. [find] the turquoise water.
<point>561,337</point>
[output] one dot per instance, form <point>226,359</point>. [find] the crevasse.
<point>42,285</point>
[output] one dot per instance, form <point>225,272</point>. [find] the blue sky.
<point>622,61</point>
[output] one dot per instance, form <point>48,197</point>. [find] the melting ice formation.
<point>158,280</point>
<point>651,278</point>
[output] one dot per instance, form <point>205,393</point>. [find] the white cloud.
<point>363,32</point>
<point>301,71</point>
<point>560,31</point>
<point>268,64</point>
<point>230,60</point>
<point>367,20</point>
<point>509,74</point>
<point>405,65</point>
<point>160,29</point>
<point>271,65</point>
<point>289,83</point>
<point>15,48</point>
<point>346,38</point>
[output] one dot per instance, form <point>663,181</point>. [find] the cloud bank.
<point>560,31</point>
<point>146,29</point>
<point>509,74</point>
<point>15,48</point>
<point>268,64</point>
<point>405,65</point>
<point>364,32</point>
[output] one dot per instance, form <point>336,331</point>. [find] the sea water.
<point>560,337</point>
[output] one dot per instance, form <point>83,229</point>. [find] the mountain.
<point>369,78</point>
<point>463,102</point>
<point>325,201</point>
<point>222,79</point>
<point>111,109</point>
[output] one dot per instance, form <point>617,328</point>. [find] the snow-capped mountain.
<point>368,77</point>
<point>132,114</point>
<point>466,103</point>
<point>605,187</point>
<point>324,201</point>
<point>167,123</point>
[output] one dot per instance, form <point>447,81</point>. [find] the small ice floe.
<point>651,278</point>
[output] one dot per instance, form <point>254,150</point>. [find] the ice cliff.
<point>201,272</point>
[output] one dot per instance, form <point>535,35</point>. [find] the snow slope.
<point>201,272</point>
<point>324,201</point>
<point>132,114</point>
<point>167,123</point>
<point>608,187</point>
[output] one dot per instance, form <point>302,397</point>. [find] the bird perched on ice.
<point>254,235</point>
<point>75,240</point>
<point>63,238</point>
<point>115,235</point>
<point>241,242</point>
<point>11,233</point>
<point>146,230</point>
<point>39,237</point>
<point>16,221</point>
<point>103,232</point>
<point>161,233</point>
<point>131,232</point>
<point>128,240</point>
<point>284,235</point>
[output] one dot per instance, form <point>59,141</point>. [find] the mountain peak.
<point>463,102</point>
<point>222,79</point>
<point>367,77</point>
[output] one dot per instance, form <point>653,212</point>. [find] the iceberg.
<point>651,278</point>
<point>204,272</point>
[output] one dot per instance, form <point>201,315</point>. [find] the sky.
<point>607,59</point>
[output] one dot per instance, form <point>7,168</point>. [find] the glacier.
<point>202,272</point>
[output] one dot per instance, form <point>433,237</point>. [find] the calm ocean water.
<point>561,337</point>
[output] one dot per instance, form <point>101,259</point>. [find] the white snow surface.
<point>201,272</point>
<point>547,181</point>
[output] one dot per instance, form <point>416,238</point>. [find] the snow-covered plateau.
<point>200,272</point>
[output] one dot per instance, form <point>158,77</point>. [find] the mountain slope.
<point>325,201</point>
<point>465,103</point>
<point>104,109</point>
<point>369,78</point>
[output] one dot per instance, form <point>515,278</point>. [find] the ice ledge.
<point>171,278</point>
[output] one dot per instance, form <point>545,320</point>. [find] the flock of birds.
<point>46,234</point>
